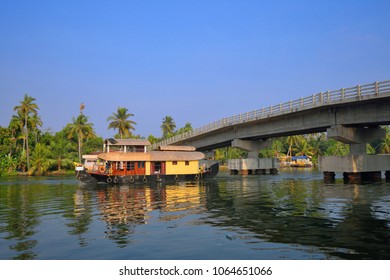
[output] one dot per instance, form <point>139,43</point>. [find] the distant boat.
<point>301,161</point>
<point>296,161</point>
<point>128,161</point>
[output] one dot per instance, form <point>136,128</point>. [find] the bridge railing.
<point>343,95</point>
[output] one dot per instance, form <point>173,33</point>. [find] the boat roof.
<point>177,148</point>
<point>153,156</point>
<point>90,156</point>
<point>127,142</point>
<point>299,157</point>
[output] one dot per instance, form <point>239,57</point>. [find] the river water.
<point>292,215</point>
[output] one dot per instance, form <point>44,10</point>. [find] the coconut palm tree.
<point>16,128</point>
<point>187,128</point>
<point>27,107</point>
<point>292,142</point>
<point>40,160</point>
<point>60,148</point>
<point>120,120</point>
<point>385,146</point>
<point>81,128</point>
<point>168,127</point>
<point>34,122</point>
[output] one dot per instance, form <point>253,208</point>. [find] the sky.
<point>197,61</point>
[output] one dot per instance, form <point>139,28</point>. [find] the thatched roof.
<point>90,157</point>
<point>127,142</point>
<point>177,148</point>
<point>152,156</point>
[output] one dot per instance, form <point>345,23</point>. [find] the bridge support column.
<point>358,167</point>
<point>253,147</point>
<point>387,175</point>
<point>253,165</point>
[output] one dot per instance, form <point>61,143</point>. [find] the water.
<point>293,215</point>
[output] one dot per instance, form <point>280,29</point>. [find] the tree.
<point>304,149</point>
<point>82,129</point>
<point>385,146</point>
<point>40,160</point>
<point>168,127</point>
<point>336,148</point>
<point>152,139</point>
<point>34,122</point>
<point>27,107</point>
<point>60,148</point>
<point>292,142</point>
<point>187,128</point>
<point>120,120</point>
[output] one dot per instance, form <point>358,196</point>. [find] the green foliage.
<point>152,139</point>
<point>40,160</point>
<point>93,145</point>
<point>28,110</point>
<point>168,127</point>
<point>82,129</point>
<point>223,154</point>
<point>8,165</point>
<point>385,145</point>
<point>120,121</point>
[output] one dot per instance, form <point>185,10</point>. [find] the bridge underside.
<point>320,119</point>
<point>355,122</point>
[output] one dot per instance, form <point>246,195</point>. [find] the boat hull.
<point>93,178</point>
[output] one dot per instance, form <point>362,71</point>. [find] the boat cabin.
<point>130,157</point>
<point>125,145</point>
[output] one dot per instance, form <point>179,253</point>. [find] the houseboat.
<point>301,161</point>
<point>128,161</point>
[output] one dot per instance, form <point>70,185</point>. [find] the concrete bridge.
<point>350,115</point>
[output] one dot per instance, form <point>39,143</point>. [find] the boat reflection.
<point>338,220</point>
<point>45,221</point>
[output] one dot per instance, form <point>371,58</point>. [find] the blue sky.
<point>197,61</point>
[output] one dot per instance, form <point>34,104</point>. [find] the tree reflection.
<point>21,221</point>
<point>337,220</point>
<point>81,216</point>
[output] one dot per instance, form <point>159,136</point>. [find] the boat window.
<point>187,162</point>
<point>141,165</point>
<point>157,167</point>
<point>174,162</point>
<point>121,165</point>
<point>130,165</point>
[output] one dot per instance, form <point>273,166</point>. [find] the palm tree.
<point>40,159</point>
<point>119,120</point>
<point>292,141</point>
<point>304,149</point>
<point>59,150</point>
<point>168,127</point>
<point>34,122</point>
<point>187,128</point>
<point>16,128</point>
<point>82,129</point>
<point>385,146</point>
<point>27,107</point>
<point>152,139</point>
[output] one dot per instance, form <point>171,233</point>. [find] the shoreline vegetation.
<point>27,150</point>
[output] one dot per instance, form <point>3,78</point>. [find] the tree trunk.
<point>27,148</point>
<point>80,149</point>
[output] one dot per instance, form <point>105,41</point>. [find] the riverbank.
<point>52,173</point>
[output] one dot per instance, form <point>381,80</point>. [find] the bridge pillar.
<point>357,167</point>
<point>253,147</point>
<point>253,165</point>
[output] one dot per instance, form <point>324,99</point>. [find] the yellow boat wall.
<point>180,168</point>
<point>147,168</point>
